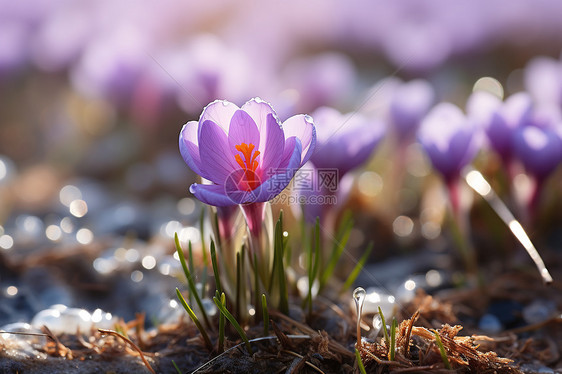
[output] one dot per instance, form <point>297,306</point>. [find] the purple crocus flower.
<point>245,152</point>
<point>449,139</point>
<point>515,112</point>
<point>543,80</point>
<point>409,104</point>
<point>345,141</point>
<point>539,149</point>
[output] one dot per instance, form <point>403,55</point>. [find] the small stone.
<point>538,311</point>
<point>490,323</point>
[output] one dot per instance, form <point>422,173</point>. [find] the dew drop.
<point>359,298</point>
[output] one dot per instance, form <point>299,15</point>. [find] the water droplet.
<point>359,298</point>
<point>225,103</point>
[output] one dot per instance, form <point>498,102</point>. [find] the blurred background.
<point>93,94</point>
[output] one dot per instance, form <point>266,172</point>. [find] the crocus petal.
<point>274,145</point>
<point>361,149</point>
<point>189,147</point>
<point>302,126</point>
<point>242,129</point>
<point>259,111</point>
<point>448,138</point>
<point>217,159</point>
<point>409,103</point>
<point>542,77</point>
<point>290,144</point>
<point>212,194</point>
<point>279,181</point>
<point>540,150</point>
<point>220,112</point>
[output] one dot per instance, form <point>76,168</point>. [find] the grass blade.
<point>278,253</point>
<point>234,323</point>
<point>190,282</point>
<point>176,367</point>
<point>384,329</point>
<point>442,350</point>
<point>256,287</point>
<point>215,267</point>
<point>392,351</point>
<point>237,306</point>
<point>195,320</point>
<point>357,269</point>
<point>265,315</point>
<point>359,362</point>
<point>202,230</point>
<point>222,323</point>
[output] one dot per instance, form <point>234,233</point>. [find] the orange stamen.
<point>249,164</point>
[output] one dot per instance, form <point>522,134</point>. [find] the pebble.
<point>489,323</point>
<point>539,311</point>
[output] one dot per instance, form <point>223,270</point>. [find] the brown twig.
<point>115,333</point>
<point>307,330</point>
<point>61,349</point>
<point>305,361</point>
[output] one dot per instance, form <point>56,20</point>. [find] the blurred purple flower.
<point>410,102</point>
<point>203,70</point>
<point>345,141</point>
<point>515,112</point>
<point>543,80</point>
<point>14,38</point>
<point>321,195</point>
<point>325,79</point>
<point>539,149</point>
<point>245,152</point>
<point>111,65</point>
<point>449,139</point>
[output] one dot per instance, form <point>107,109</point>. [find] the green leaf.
<point>190,282</point>
<point>359,362</point>
<point>215,267</point>
<point>234,323</point>
<point>384,329</point>
<point>222,322</point>
<point>393,339</point>
<point>195,320</point>
<point>265,315</point>
<point>442,350</point>
<point>278,254</point>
